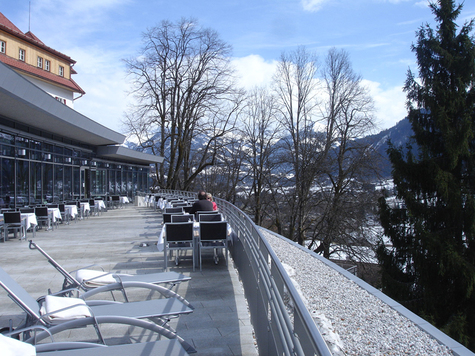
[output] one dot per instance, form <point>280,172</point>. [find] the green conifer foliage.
<point>431,265</point>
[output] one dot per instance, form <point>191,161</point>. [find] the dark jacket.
<point>201,205</point>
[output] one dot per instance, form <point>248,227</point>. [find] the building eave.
<point>27,69</point>
<point>126,154</point>
<point>24,102</point>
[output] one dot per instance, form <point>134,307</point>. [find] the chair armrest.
<point>66,345</point>
<point>165,292</point>
<point>79,323</point>
<point>44,329</point>
<point>69,291</point>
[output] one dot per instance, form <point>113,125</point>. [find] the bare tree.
<point>261,131</point>
<point>296,89</point>
<point>225,179</point>
<point>344,203</point>
<point>184,89</point>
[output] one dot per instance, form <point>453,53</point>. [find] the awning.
<point>24,102</point>
<point>124,154</point>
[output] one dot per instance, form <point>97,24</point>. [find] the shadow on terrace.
<point>124,240</point>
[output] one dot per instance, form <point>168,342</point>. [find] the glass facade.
<point>35,171</point>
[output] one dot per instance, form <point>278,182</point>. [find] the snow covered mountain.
<point>399,135</point>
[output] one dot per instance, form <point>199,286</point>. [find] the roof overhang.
<point>24,102</point>
<point>127,155</point>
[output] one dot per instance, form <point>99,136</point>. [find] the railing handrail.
<point>281,333</point>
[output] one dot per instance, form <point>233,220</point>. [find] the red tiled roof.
<point>40,73</point>
<point>7,26</point>
<point>33,37</point>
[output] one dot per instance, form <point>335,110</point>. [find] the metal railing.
<point>282,324</point>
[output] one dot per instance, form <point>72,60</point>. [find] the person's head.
<point>202,195</point>
<point>209,197</point>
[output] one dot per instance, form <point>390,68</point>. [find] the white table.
<point>163,203</point>
<point>85,208</point>
<point>28,220</point>
<point>99,205</point>
<point>196,237</point>
<point>71,210</point>
<point>161,235</point>
<point>196,229</point>
<point>55,214</point>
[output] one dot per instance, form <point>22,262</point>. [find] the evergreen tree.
<point>430,267</point>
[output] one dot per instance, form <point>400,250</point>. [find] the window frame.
<point>61,100</point>
<point>3,47</point>
<point>47,65</point>
<point>61,71</point>
<point>21,54</point>
<point>39,62</point>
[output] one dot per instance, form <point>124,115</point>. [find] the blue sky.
<point>98,34</point>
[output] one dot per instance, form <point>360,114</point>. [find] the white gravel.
<point>351,320</point>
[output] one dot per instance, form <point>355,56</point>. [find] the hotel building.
<point>48,151</point>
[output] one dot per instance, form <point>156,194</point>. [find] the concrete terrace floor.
<point>220,323</point>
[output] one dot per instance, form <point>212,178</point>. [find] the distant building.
<point>43,66</point>
<point>48,151</point>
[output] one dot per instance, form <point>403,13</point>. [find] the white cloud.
<point>106,100</point>
<point>102,76</point>
<point>254,71</point>
<point>312,5</point>
<point>389,104</point>
<point>390,107</point>
<point>78,21</point>
<point>103,79</point>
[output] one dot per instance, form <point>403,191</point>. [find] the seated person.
<point>210,198</point>
<point>202,204</point>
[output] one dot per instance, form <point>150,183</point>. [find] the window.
<point>40,62</point>
<point>3,46</point>
<point>21,55</point>
<point>61,100</point>
<point>61,71</point>
<point>47,65</point>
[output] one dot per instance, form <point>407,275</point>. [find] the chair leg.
<point>193,255</point>
<point>226,250</point>
<point>201,261</point>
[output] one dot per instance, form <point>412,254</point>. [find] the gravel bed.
<point>351,320</point>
